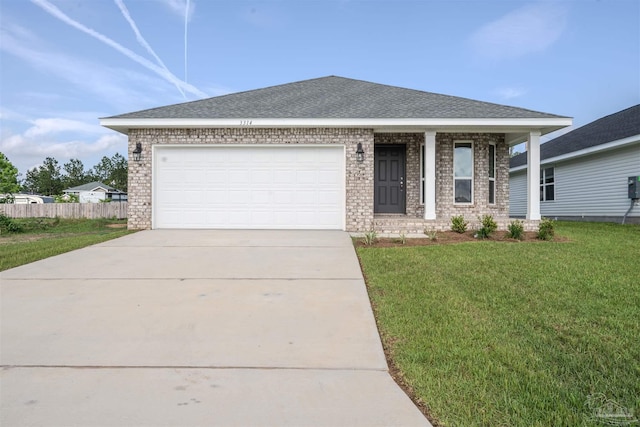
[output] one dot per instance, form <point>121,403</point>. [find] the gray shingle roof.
<point>90,186</point>
<point>616,126</point>
<point>334,97</point>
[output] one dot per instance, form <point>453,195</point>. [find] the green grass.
<point>45,237</point>
<point>514,334</point>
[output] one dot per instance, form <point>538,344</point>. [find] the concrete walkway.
<point>196,328</point>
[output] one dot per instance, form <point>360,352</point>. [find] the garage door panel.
<point>281,176</point>
<point>261,177</point>
<point>237,177</point>
<point>329,177</point>
<point>249,187</point>
<point>193,197</point>
<point>283,197</point>
<point>216,175</point>
<point>260,197</point>
<point>217,217</point>
<point>193,216</point>
<point>216,197</point>
<point>328,198</point>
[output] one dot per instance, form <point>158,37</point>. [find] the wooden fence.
<point>66,210</point>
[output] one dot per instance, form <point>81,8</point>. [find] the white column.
<point>533,175</point>
<point>429,175</point>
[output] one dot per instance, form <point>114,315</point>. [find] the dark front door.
<point>389,187</point>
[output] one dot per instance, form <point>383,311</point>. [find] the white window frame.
<point>544,184</point>
<point>471,178</point>
<point>492,180</point>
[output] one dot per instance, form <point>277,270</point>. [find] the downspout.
<point>633,202</point>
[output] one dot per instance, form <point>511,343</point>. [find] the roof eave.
<point>500,125</point>
<point>611,145</point>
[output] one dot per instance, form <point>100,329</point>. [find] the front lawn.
<point>515,334</point>
<point>44,237</point>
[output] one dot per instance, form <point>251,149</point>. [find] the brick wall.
<point>358,176</point>
<point>445,205</point>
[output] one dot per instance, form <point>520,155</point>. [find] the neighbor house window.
<point>492,174</point>
<point>547,185</point>
<point>463,172</point>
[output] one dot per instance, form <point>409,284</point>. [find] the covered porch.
<point>422,179</point>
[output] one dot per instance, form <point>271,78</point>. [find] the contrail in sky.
<point>140,38</point>
<point>186,21</point>
<point>167,75</point>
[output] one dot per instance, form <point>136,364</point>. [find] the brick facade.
<point>359,176</point>
<point>445,205</point>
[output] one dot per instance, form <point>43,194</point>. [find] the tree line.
<point>52,179</point>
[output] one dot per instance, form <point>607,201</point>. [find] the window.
<point>547,184</point>
<point>463,172</point>
<point>492,174</point>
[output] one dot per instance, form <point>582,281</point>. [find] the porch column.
<point>429,174</point>
<point>533,175</point>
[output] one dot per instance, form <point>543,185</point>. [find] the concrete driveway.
<point>196,328</point>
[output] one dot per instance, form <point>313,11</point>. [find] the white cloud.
<point>57,125</point>
<point>29,149</point>
<point>532,28</point>
<point>116,86</point>
<point>57,13</point>
<point>143,42</point>
<point>11,115</point>
<point>180,6</point>
<point>507,93</point>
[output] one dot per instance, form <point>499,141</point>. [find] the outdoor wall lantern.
<point>137,153</point>
<point>360,153</point>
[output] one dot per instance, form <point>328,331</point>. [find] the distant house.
<point>96,192</point>
<point>584,173</point>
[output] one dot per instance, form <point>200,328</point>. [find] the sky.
<point>66,63</point>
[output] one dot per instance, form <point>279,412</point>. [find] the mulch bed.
<point>449,237</point>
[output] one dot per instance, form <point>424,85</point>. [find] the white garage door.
<point>249,187</point>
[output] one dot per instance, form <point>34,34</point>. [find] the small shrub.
<point>431,234</point>
<point>36,224</point>
<point>487,226</point>
<point>546,229</point>
<point>516,229</point>
<point>403,239</point>
<point>66,198</point>
<point>7,198</point>
<point>8,225</point>
<point>458,224</point>
<point>370,238</point>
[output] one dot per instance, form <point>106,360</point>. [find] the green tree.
<point>8,176</point>
<point>120,172</point>
<point>45,179</point>
<point>74,174</point>
<point>112,171</point>
<point>102,171</point>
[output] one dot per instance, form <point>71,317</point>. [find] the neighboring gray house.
<point>584,172</point>
<point>96,192</point>
<point>326,153</point>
